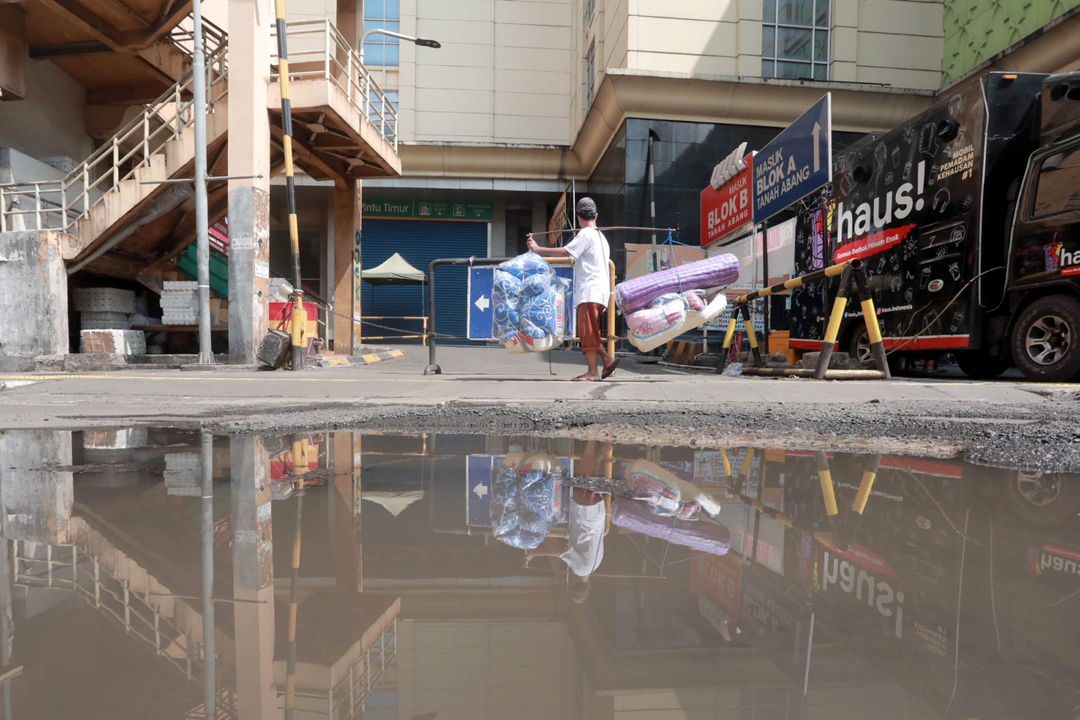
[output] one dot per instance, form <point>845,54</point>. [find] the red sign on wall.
<point>729,207</point>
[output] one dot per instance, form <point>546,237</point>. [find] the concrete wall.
<point>36,501</point>
<point>501,76</point>
<point>33,298</point>
<point>893,42</point>
<point>50,121</point>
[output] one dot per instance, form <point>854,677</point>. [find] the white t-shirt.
<point>591,254</point>
<point>586,531</point>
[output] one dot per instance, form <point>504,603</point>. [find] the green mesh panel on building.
<point>976,30</point>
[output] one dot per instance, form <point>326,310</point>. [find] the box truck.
<point>967,219</point>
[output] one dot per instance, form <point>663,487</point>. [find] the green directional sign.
<point>421,209</point>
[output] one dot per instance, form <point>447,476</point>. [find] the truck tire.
<point>859,347</point>
<point>1043,499</point>
<point>1046,339</point>
<point>977,364</point>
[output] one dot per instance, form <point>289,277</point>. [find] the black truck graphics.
<point>967,219</point>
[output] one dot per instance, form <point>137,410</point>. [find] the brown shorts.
<point>588,326</point>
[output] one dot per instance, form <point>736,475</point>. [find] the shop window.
<point>795,39</point>
<point>382,50</point>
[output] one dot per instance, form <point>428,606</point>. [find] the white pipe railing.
<point>59,204</point>
<point>317,49</point>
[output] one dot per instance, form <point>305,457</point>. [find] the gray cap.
<point>586,208</point>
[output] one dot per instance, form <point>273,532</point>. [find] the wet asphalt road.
<point>1006,422</point>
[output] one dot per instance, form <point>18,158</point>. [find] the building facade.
<point>524,101</point>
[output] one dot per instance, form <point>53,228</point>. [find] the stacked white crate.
<point>104,308</point>
<point>183,474</point>
<point>180,302</point>
<point>103,318</point>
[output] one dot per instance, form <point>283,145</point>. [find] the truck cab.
<point>1043,263</point>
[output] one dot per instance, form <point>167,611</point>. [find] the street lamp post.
<point>422,42</point>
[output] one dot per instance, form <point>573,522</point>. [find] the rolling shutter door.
<point>420,242</point>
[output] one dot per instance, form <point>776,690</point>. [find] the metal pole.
<point>209,653</point>
<point>765,284</point>
<point>202,231</point>
<point>299,315</point>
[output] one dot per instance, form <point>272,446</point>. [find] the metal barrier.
<point>852,269</point>
<point>423,319</point>
<point>433,367</point>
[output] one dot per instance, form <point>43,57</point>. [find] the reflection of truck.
<point>967,218</point>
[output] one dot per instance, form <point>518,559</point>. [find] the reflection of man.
<point>587,517</point>
<point>585,543</point>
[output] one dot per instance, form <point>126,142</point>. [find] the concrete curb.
<point>363,356</point>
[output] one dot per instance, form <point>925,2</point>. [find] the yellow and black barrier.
<point>847,271</point>
<point>298,315</point>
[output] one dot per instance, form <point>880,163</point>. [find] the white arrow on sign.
<point>817,150</point>
<point>480,490</point>
<point>483,303</point>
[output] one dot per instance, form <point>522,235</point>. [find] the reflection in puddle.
<point>153,573</point>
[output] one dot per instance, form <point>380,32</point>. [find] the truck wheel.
<point>1043,499</point>
<point>1046,339</point>
<point>976,364</point>
<point>859,347</point>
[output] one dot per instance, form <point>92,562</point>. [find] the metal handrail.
<point>129,149</point>
<point>321,52</point>
<point>317,49</point>
<point>183,36</point>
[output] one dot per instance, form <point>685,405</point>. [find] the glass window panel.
<point>769,12</point>
<point>821,72</point>
<point>768,68</point>
<point>794,44</point>
<point>821,45</point>
<point>793,70</point>
<point>393,9</point>
<point>768,41</point>
<point>795,12</point>
<point>821,18</point>
<point>373,8</point>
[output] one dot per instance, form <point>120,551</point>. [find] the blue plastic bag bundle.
<point>525,499</point>
<point>529,305</point>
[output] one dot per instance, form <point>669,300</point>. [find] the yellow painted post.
<point>873,330</point>
<point>835,318</point>
<point>611,312</point>
<point>865,486</point>
<point>751,336</point>
<point>299,316</point>
<point>828,492</point>
<point>729,338</point>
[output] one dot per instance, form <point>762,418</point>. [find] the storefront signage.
<point>797,162</point>
<point>728,207</point>
<point>428,210</point>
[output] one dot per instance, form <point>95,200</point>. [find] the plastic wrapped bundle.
<point>525,499</point>
<point>715,272</point>
<point>669,316</point>
<point>705,536</point>
<point>529,304</point>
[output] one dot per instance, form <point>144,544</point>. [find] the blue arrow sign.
<point>796,163</point>
<point>478,321</point>
<point>481,280</point>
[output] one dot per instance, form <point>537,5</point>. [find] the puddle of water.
<point>153,573</point>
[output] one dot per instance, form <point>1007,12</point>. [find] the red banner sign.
<point>729,207</point>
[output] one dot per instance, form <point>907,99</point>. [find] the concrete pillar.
<point>249,154</point>
<point>347,23</point>
<point>348,206</point>
<point>253,578</point>
<point>36,500</point>
<point>498,243</point>
<point>34,320</point>
<point>348,543</point>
